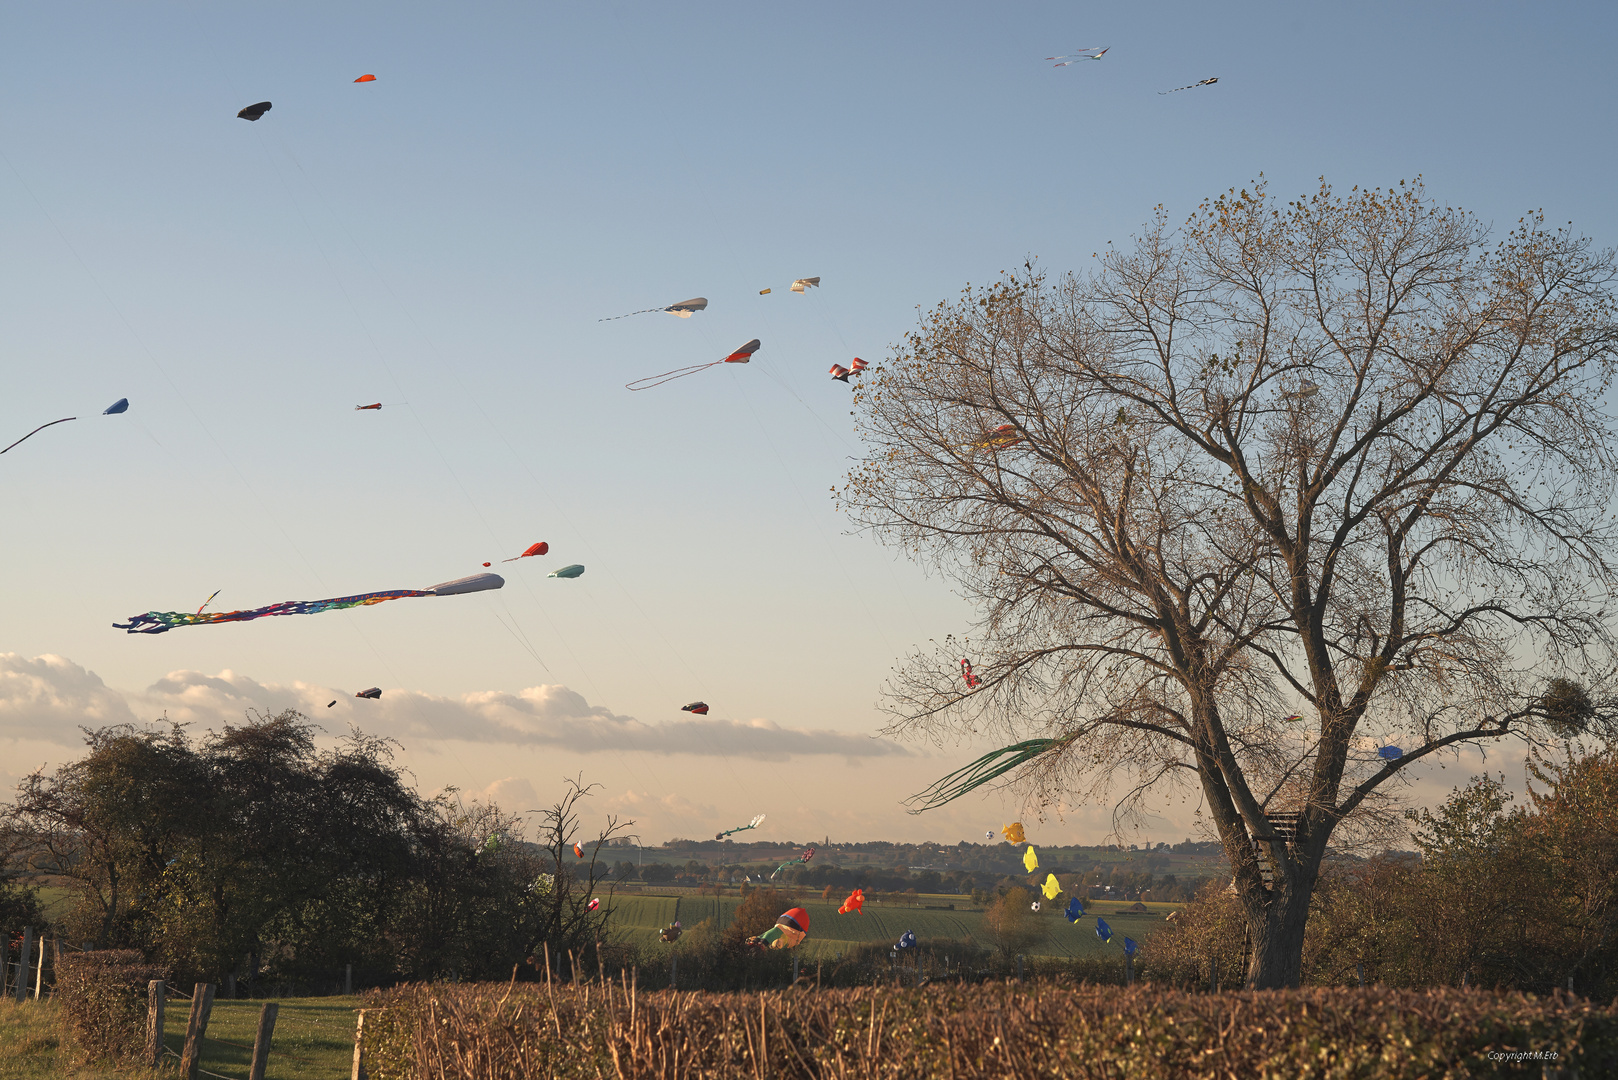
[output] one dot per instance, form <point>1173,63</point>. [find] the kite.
<point>366,78</point>
<point>854,904</point>
<point>567,571</point>
<point>1075,910</point>
<point>540,548</point>
<point>159,622</point>
<point>373,694</point>
<point>121,405</point>
<point>329,704</point>
<point>1389,753</point>
<point>698,707</point>
<point>1013,833</point>
<point>1103,931</point>
<point>577,850</point>
<point>907,940</point>
<point>804,284</point>
<point>1130,946</point>
<point>595,902</point>
<point>991,766</point>
<point>808,853</point>
<point>1293,719</point>
<point>1306,389</point>
<point>787,933</point>
<point>1193,86</point>
<point>542,884</point>
<point>740,828</point>
<point>1052,888</point>
<point>1003,437</point>
<point>1034,906</point>
<point>764,292</point>
<point>972,681</point>
<point>1079,57</point>
<point>490,845</point>
<point>253,112</point>
<point>670,933</point>
<point>684,309</point>
<point>208,601</point>
<point>742,355</point>
<point>1030,859</point>
<point>841,373</point>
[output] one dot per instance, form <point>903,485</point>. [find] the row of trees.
<point>255,853</point>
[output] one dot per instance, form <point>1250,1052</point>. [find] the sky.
<point>446,240</point>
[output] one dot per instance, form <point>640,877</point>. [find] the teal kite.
<point>567,571</point>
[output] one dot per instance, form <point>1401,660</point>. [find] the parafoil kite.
<point>966,673</point>
<point>787,933</point>
<point>372,694</point>
<point>1052,888</point>
<point>595,902</point>
<point>808,854</point>
<point>1075,910</point>
<point>579,851</point>
<point>253,112</point>
<point>742,355</point>
<point>366,78</point>
<point>740,828</point>
<point>1193,86</point>
<point>841,373</point>
<point>670,933</point>
<point>1030,859</point>
<point>1389,753</point>
<point>684,309</point>
<point>990,766</point>
<point>1079,57</point>
<point>540,548</point>
<point>804,284</point>
<point>1013,833</point>
<point>121,405</point>
<point>567,571</point>
<point>698,707</point>
<point>855,903</point>
<point>1103,931</point>
<point>159,622</point>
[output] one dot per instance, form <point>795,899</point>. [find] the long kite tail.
<point>1192,86</point>
<point>669,376</point>
<point>159,622</point>
<point>627,314</point>
<point>40,428</point>
<point>989,767</point>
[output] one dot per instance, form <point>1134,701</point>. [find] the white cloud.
<point>49,698</point>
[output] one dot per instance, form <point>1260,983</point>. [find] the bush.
<point>103,1001</point>
<point>592,1030</point>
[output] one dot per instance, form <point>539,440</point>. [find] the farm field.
<point>831,934</point>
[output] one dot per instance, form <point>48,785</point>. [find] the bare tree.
<point>564,895</point>
<point>1339,452</point>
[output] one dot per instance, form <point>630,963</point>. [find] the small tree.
<point>1337,453</point>
<point>565,924</point>
<point>1010,922</point>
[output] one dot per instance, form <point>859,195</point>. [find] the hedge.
<point>103,1001</point>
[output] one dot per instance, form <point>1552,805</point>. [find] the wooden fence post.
<point>156,993</point>
<point>21,985</point>
<point>39,971</point>
<point>359,1048</point>
<point>261,1042</point>
<point>201,1007</point>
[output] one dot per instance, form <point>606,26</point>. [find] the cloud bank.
<point>48,698</point>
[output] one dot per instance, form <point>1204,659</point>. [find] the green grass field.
<point>831,934</point>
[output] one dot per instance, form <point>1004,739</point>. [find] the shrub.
<point>103,1001</point>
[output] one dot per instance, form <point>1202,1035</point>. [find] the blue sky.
<point>449,235</point>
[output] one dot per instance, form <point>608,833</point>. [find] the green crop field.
<point>639,917</point>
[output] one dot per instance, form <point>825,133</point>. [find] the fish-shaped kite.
<point>855,903</point>
<point>1052,888</point>
<point>253,112</point>
<point>841,373</point>
<point>373,694</point>
<point>159,622</point>
<point>740,828</point>
<point>1030,859</point>
<point>684,309</point>
<point>700,708</point>
<point>1079,57</point>
<point>742,355</point>
<point>1130,946</point>
<point>1103,931</point>
<point>1193,86</point>
<point>540,548</point>
<point>1075,910</point>
<point>567,571</point>
<point>1013,833</point>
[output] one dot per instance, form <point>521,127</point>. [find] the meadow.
<point>637,917</point>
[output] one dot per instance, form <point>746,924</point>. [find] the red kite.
<point>533,549</point>
<point>698,707</point>
<point>366,78</point>
<point>740,356</point>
